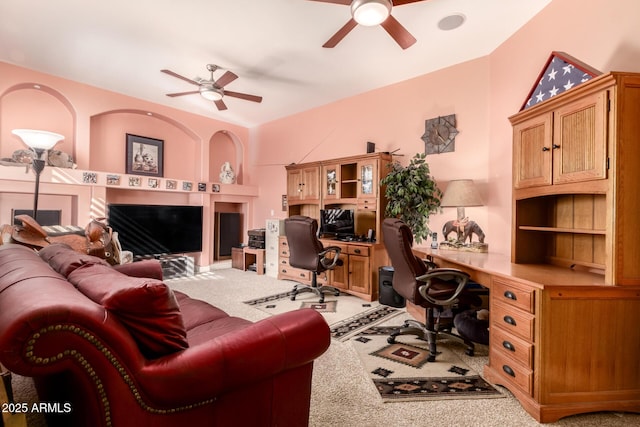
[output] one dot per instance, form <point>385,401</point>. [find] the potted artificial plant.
<point>412,195</point>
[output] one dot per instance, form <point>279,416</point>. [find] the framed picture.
<point>215,188</point>
<point>144,156</point>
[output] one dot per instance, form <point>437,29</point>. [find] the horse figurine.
<point>464,229</point>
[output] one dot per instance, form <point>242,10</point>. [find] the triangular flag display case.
<point>560,73</point>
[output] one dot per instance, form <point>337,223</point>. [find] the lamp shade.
<point>38,139</point>
<point>370,12</point>
<point>461,193</point>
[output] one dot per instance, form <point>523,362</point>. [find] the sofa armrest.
<point>260,351</point>
<point>149,268</point>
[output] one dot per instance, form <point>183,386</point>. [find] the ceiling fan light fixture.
<point>211,93</point>
<point>370,12</point>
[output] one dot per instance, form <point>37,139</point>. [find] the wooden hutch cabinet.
<point>563,335</point>
<point>345,183</point>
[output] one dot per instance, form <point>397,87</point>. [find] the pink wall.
<point>482,93</point>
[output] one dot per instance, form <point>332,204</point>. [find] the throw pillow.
<point>147,307</point>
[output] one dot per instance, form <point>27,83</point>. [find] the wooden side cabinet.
<point>576,171</point>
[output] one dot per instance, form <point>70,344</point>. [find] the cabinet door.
<point>580,139</point>
<point>330,181</point>
<point>294,185</point>
<point>532,152</point>
<point>359,280</point>
<point>339,276</point>
<point>368,179</point>
<point>310,183</point>
<point>302,184</point>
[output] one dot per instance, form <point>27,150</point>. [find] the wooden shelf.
<point>563,230</point>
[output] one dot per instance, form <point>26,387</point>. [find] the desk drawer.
<point>514,321</point>
<point>294,273</point>
<point>512,346</point>
<point>512,371</point>
<point>358,250</point>
<point>514,295</point>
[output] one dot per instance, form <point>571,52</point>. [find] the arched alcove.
<point>225,146</point>
<point>35,106</point>
<point>108,142</point>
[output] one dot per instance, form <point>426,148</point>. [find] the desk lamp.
<point>39,141</point>
<point>461,193</point>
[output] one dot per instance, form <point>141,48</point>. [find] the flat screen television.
<point>151,230</point>
<point>336,222</point>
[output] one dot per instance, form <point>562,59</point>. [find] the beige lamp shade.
<point>461,193</point>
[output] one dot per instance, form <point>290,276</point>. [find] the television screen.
<point>157,229</point>
<point>337,222</point>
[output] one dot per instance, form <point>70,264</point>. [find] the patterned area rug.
<point>345,314</point>
<point>400,371</point>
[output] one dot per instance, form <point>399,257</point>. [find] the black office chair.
<point>307,252</point>
<point>435,289</point>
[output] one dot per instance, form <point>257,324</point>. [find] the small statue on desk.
<point>465,229</point>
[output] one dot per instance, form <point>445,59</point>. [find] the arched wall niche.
<point>36,106</point>
<point>108,142</point>
<point>225,146</point>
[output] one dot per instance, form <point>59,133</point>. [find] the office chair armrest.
<point>444,274</point>
<point>332,262</point>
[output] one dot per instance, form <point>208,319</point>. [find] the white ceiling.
<point>274,46</point>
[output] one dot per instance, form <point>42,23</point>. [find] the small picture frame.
<point>154,182</point>
<point>89,177</point>
<point>202,186</point>
<point>171,184</point>
<point>215,188</point>
<point>135,181</point>
<point>144,156</point>
<point>113,179</point>
<point>187,186</point>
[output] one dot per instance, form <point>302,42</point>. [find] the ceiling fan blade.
<point>244,96</point>
<point>226,78</point>
<point>220,104</point>
<point>398,32</point>
<point>345,2</point>
<point>342,32</point>
<point>191,92</point>
<point>171,73</point>
<point>401,2</point>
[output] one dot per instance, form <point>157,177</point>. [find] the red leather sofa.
<point>115,346</point>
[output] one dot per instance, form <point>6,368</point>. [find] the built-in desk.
<point>560,340</point>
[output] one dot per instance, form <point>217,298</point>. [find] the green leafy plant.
<point>412,195</point>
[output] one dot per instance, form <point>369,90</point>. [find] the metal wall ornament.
<point>440,134</point>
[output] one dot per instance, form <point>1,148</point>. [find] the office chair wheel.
<point>469,352</point>
<point>293,297</point>
<point>336,293</point>
<point>391,340</point>
<point>431,358</point>
<point>321,300</point>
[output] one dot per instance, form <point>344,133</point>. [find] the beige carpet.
<point>342,393</point>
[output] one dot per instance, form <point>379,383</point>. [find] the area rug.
<point>345,314</point>
<point>400,371</point>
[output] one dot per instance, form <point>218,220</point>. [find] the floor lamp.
<point>39,141</point>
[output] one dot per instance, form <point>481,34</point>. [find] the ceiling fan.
<point>213,90</point>
<point>370,13</point>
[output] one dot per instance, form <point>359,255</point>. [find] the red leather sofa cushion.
<point>147,307</point>
<point>64,260</point>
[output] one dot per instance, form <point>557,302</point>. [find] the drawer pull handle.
<point>508,346</point>
<point>510,295</point>
<point>508,370</point>
<point>510,320</point>
<point>357,251</point>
